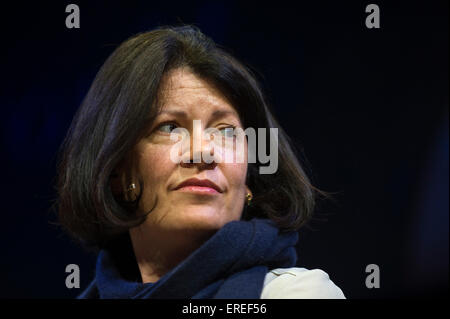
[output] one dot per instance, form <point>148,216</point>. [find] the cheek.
<point>236,178</point>
<point>235,173</point>
<point>155,166</point>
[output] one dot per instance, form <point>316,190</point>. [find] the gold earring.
<point>249,198</point>
<point>130,191</point>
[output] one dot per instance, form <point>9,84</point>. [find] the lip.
<point>201,186</point>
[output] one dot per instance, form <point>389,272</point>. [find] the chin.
<point>202,218</point>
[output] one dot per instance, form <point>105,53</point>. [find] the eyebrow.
<point>216,114</point>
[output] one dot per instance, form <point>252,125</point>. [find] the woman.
<point>187,229</point>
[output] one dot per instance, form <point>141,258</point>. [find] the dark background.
<point>368,108</point>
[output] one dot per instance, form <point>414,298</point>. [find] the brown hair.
<point>116,109</point>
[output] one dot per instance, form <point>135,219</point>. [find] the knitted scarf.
<point>231,264</point>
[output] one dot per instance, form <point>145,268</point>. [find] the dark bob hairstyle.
<point>122,102</point>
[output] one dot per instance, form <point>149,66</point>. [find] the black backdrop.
<point>368,108</point>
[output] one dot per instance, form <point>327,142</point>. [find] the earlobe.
<point>124,188</point>
<point>248,191</point>
<point>130,194</point>
<point>248,196</point>
<point>122,180</point>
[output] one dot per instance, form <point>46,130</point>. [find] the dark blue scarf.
<point>231,264</point>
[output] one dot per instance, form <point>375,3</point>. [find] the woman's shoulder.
<point>299,283</point>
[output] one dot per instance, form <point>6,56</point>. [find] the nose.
<point>201,151</point>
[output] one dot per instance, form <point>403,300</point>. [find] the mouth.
<point>199,186</point>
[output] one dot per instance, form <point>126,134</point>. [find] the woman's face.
<point>185,98</point>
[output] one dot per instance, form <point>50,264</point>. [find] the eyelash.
<point>164,124</point>
<point>176,126</point>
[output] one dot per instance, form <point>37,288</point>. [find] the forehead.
<point>181,88</point>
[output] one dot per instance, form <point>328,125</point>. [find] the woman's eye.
<point>227,131</point>
<point>167,128</point>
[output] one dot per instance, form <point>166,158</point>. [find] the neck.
<point>158,251</point>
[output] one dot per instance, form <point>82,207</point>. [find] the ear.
<point>248,190</point>
<point>120,180</point>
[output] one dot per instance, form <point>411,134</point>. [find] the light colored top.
<point>299,283</point>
